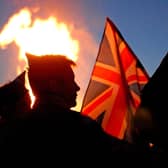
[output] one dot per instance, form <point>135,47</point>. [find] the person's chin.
<point>72,104</point>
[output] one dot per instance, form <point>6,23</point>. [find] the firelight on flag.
<point>113,93</point>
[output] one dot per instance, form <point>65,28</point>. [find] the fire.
<point>39,37</point>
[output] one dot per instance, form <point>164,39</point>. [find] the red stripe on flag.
<point>97,102</point>
<point>118,113</point>
<point>105,74</point>
<point>126,58</point>
<point>133,77</point>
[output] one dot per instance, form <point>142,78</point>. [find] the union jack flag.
<point>113,93</point>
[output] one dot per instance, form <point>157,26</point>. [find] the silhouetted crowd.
<point>50,132</point>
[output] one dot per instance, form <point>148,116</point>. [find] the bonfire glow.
<point>38,37</point>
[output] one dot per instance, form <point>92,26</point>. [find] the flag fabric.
<point>113,93</point>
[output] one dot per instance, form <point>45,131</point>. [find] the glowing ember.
<point>38,37</point>
<point>151,145</point>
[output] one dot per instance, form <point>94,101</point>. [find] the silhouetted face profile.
<point>68,87</point>
<point>52,79</point>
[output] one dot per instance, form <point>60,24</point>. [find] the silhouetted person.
<point>54,132</point>
<point>14,98</point>
<point>150,119</point>
<point>52,80</point>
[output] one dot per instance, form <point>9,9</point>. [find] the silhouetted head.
<point>52,79</point>
<point>14,98</point>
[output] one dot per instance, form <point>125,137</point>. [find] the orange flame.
<point>38,37</point>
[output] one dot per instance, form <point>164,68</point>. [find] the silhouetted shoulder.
<point>14,98</point>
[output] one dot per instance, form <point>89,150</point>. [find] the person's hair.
<point>45,67</point>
